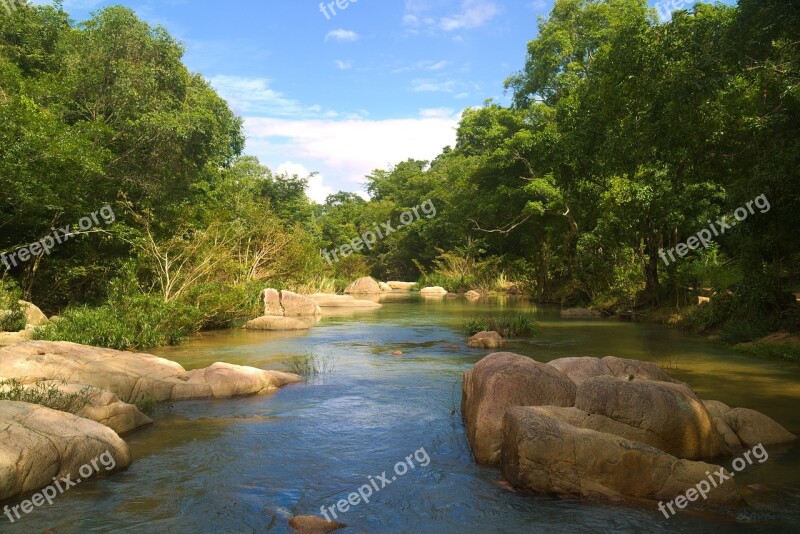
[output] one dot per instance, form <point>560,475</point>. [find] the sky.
<point>341,92</point>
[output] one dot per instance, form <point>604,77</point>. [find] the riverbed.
<point>249,465</point>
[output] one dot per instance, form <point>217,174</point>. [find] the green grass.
<point>310,365</point>
<point>136,322</point>
<point>47,395</point>
<point>12,313</point>
<point>516,325</point>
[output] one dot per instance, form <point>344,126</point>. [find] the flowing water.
<point>248,465</point>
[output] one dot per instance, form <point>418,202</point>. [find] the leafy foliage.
<point>516,325</point>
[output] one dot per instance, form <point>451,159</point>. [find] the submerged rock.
<point>580,312</point>
<point>311,524</point>
<point>485,340</point>
<point>276,323</point>
<point>37,444</point>
<point>325,300</point>
<point>402,286</point>
<point>433,291</point>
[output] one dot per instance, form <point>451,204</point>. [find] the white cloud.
<point>343,65</point>
<point>421,85</point>
<point>441,113</point>
<point>346,151</point>
<point>341,35</point>
<point>474,13</point>
<point>254,96</point>
<point>316,190</point>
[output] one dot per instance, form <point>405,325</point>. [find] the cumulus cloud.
<point>341,35</point>
<point>316,189</point>
<point>472,14</point>
<point>421,85</point>
<point>345,151</point>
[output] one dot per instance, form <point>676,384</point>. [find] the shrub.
<point>770,351</point>
<point>12,313</point>
<point>517,325</point>
<point>134,322</point>
<point>46,394</point>
<point>146,404</point>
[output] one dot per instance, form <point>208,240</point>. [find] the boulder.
<point>33,315</point>
<point>132,376</point>
<point>272,323</point>
<point>716,408</point>
<point>311,524</point>
<point>514,290</point>
<point>386,288</point>
<point>670,416</point>
<point>11,338</point>
<point>104,407</point>
<point>402,286</point>
<point>39,443</point>
<point>433,291</point>
<point>546,455</point>
<point>485,340</point>
<point>581,368</point>
<point>502,380</point>
<point>752,428</point>
<point>363,286</point>
<point>272,302</point>
<point>472,294</point>
<point>324,300</point>
<point>580,312</point>
<point>295,305</point>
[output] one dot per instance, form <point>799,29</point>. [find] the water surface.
<point>248,465</point>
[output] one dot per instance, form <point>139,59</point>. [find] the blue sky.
<point>376,83</point>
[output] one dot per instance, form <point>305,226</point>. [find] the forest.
<point>625,138</point>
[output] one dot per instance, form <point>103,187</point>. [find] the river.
<point>250,464</point>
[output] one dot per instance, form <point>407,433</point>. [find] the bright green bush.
<point>133,322</point>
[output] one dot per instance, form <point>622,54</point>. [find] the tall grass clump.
<point>133,322</point>
<point>46,394</point>
<point>516,325</point>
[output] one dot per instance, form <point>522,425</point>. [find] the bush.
<point>770,351</point>
<point>517,325</point>
<point>12,313</point>
<point>222,305</point>
<point>47,395</point>
<point>134,322</point>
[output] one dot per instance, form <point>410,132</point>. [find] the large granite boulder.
<point>39,444</point>
<point>363,286</point>
<point>132,376</point>
<point>498,382</point>
<point>295,305</point>
<point>581,368</point>
<point>33,315</point>
<point>748,426</point>
<point>666,415</point>
<point>543,454</point>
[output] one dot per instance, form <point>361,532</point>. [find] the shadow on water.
<point>250,464</point>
